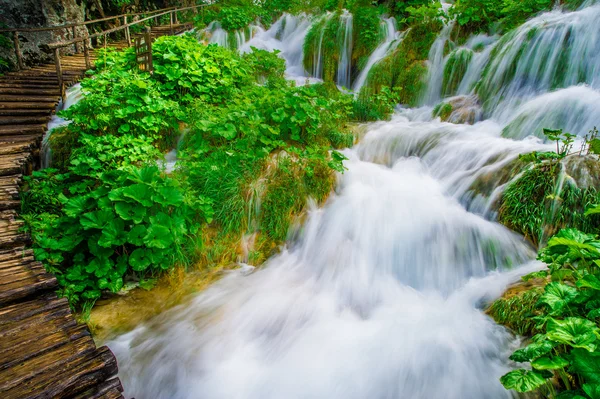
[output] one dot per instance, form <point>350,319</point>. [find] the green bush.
<point>565,355</point>
<point>188,70</point>
<point>118,216</point>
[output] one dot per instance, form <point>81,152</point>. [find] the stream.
<point>382,293</point>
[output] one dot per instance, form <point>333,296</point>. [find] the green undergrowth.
<point>560,318</point>
<point>555,203</point>
<point>255,150</point>
<point>518,311</point>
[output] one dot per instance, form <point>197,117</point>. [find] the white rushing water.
<point>379,298</point>
<point>381,294</point>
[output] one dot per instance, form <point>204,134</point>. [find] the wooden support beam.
<point>18,52</point>
<point>59,74</point>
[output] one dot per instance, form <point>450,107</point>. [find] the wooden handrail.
<point>55,47</point>
<point>75,41</point>
<point>118,28</point>
<point>76,24</point>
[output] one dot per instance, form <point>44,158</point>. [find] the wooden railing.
<point>85,39</point>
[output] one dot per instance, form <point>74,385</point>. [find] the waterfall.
<point>72,96</point>
<point>554,50</point>
<point>218,35</point>
<point>344,72</point>
<point>318,55</point>
<point>390,42</point>
<point>381,294</point>
<point>436,66</point>
<point>286,35</point>
<point>382,288</point>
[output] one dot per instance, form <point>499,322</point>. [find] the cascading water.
<point>318,55</point>
<point>436,66</point>
<point>535,73</point>
<point>344,72</point>
<point>380,295</point>
<point>390,42</point>
<point>72,96</point>
<point>286,35</point>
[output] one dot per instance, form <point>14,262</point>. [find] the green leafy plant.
<point>118,217</point>
<point>568,343</point>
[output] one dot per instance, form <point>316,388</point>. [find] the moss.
<point>330,29</point>
<point>288,187</point>
<point>516,310</point>
<point>443,111</point>
<point>367,35</point>
<point>405,68</point>
<point>62,142</point>
<point>455,69</point>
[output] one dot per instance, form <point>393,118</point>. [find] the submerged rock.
<point>459,110</point>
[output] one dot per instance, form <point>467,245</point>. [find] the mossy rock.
<point>459,110</point>
<point>455,70</point>
<point>62,141</point>
<point>406,66</point>
<point>546,198</point>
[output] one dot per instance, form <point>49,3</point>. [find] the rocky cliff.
<point>36,14</point>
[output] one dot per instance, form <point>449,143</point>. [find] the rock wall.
<point>36,14</point>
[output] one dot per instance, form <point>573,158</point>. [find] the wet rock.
<point>459,110</point>
<point>584,170</point>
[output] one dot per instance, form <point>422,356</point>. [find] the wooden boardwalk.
<point>44,353</point>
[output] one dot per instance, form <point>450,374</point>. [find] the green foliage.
<point>118,102</point>
<point>117,216</point>
<point>367,35</point>
<point>267,67</point>
<point>373,106</point>
<point>517,312</point>
<point>234,18</point>
<point>568,345</point>
<point>482,15</point>
<point>188,70</point>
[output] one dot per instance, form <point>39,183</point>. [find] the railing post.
<point>18,52</point>
<point>127,34</point>
<point>76,45</point>
<point>61,85</point>
<point>86,51</point>
<point>171,22</point>
<point>175,18</point>
<point>148,39</point>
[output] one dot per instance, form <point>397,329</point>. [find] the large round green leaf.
<point>96,219</point>
<point>532,351</point>
<point>549,363</point>
<point>589,281</point>
<point>573,331</point>
<point>136,235</point>
<point>522,380</point>
<point>127,211</point>
<point>586,364</point>
<point>140,259</point>
<point>557,296</point>
<point>158,236</point>
<point>140,193</point>
<point>593,390</point>
<point>113,234</point>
